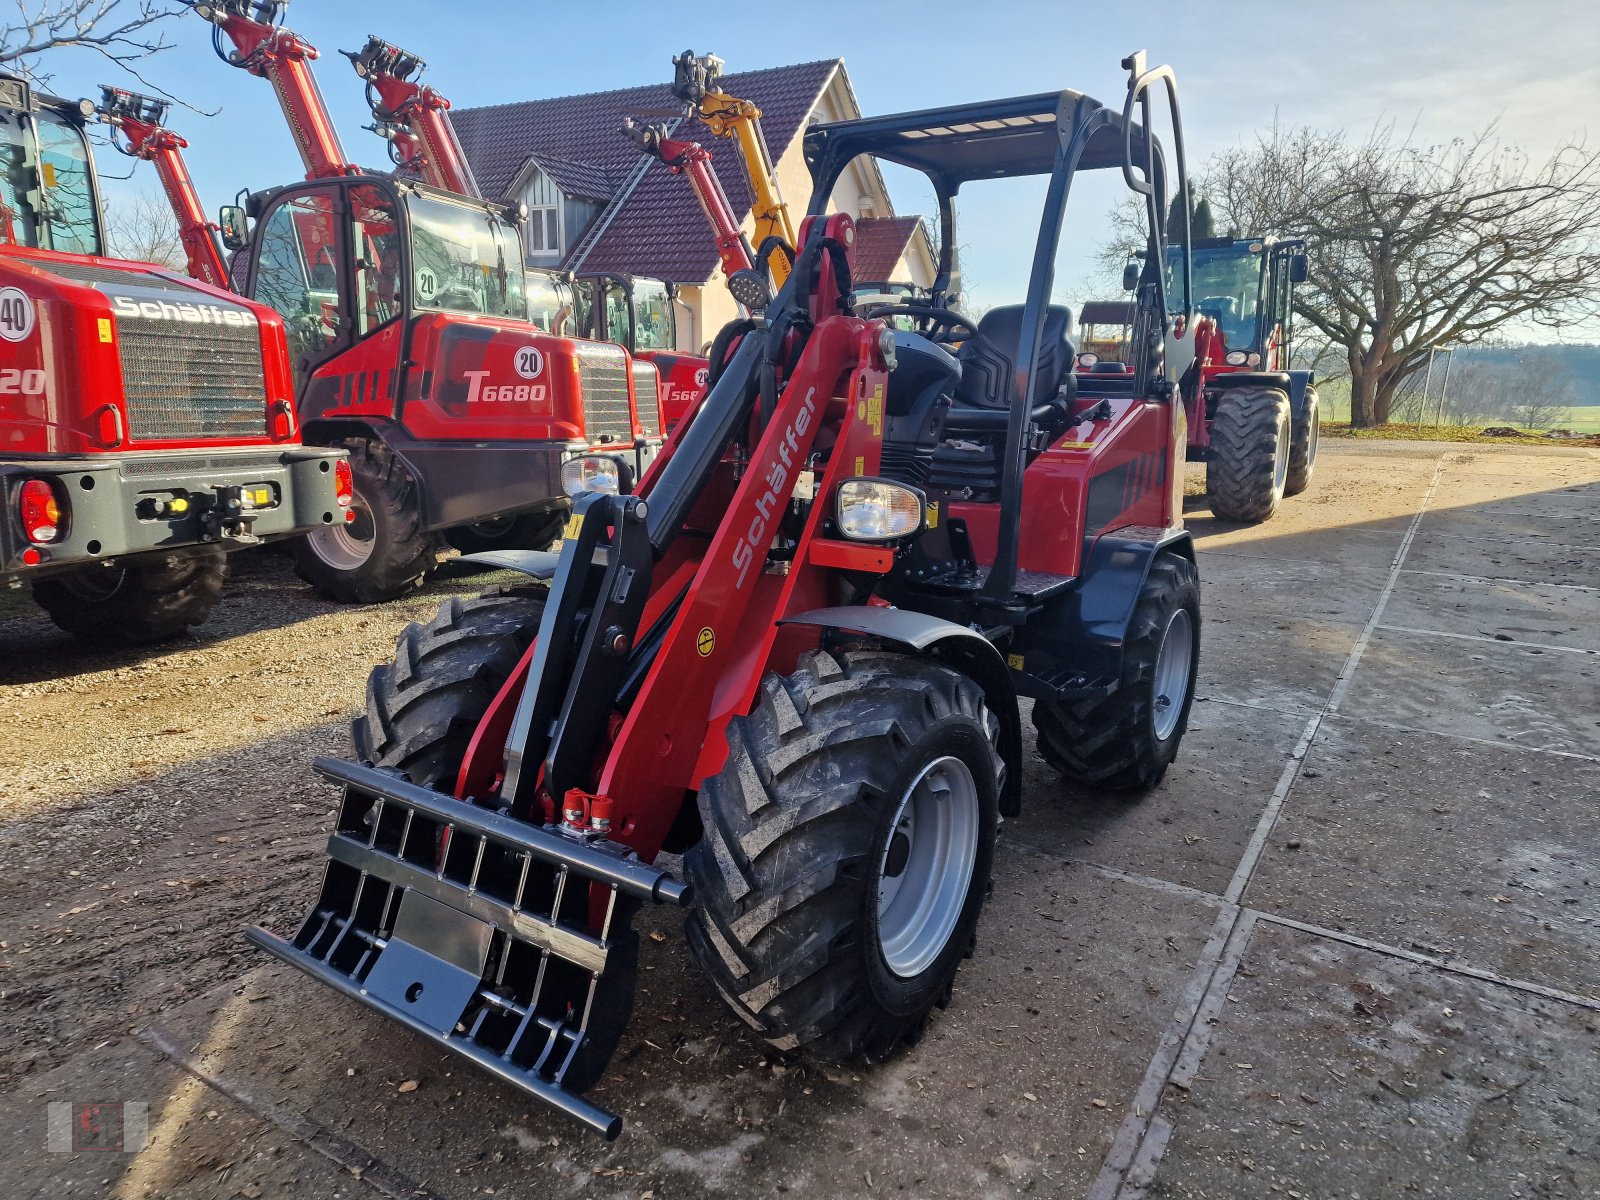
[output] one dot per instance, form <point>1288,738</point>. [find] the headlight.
<point>1088,358</point>
<point>874,510</point>
<point>592,473</point>
<point>1236,358</point>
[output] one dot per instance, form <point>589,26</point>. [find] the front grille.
<point>647,395</point>
<point>183,381</point>
<point>603,380</point>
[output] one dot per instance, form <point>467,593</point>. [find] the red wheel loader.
<point>794,652</point>
<point>411,347</point>
<point>1254,418</point>
<point>146,421</point>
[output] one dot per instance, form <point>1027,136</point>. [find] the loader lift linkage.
<point>830,574</point>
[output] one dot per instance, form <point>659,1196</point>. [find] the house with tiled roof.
<point>596,205</point>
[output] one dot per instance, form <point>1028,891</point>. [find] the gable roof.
<point>655,226</point>
<point>582,179</point>
<point>880,243</point>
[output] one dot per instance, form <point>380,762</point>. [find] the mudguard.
<point>1073,648</point>
<point>966,649</point>
<point>1295,383</point>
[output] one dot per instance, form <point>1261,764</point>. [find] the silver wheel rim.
<point>1280,465</point>
<point>345,545</point>
<point>94,586</point>
<point>1173,661</point>
<point>931,849</point>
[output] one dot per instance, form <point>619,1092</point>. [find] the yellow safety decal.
<point>1073,446</point>
<point>706,642</point>
<point>1014,661</point>
<point>861,465</point>
<point>573,525</point>
<point>933,514</point>
<point>105,329</point>
<point>48,170</point>
<point>861,410</point>
<point>875,411</point>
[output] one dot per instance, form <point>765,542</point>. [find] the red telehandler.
<point>146,422</point>
<point>411,347</point>
<point>635,313</point>
<point>794,652</point>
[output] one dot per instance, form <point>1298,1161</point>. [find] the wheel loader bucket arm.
<point>139,120</point>
<point>399,101</point>
<point>264,47</point>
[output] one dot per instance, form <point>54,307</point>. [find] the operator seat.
<point>988,362</point>
<point>968,459</point>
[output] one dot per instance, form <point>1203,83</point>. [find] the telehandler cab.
<point>146,422</point>
<point>411,345</point>
<point>793,651</point>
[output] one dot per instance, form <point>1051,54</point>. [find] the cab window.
<point>465,259</point>
<point>46,189</point>
<point>617,322</point>
<point>297,274</point>
<point>375,235</point>
<point>549,302</point>
<point>653,325</point>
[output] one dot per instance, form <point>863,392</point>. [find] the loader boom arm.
<point>283,58</point>
<point>416,116</point>
<point>139,120</point>
<point>693,162</point>
<point>740,120</point>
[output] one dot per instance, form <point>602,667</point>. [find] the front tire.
<point>1307,426</point>
<point>383,553</point>
<point>153,599</point>
<point>1126,741</point>
<point>1247,465</point>
<point>847,851</point>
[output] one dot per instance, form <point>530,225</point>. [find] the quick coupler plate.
<point>508,943</point>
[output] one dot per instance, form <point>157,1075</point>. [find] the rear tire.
<point>823,919</point>
<point>1247,464</point>
<point>1126,741</point>
<point>153,599</point>
<point>384,553</point>
<point>1307,425</point>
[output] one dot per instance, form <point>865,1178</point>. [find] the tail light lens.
<point>40,512</point>
<point>344,484</point>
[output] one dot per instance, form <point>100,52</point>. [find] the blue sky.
<point>1449,68</point>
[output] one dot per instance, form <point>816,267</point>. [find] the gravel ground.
<point>1368,880</point>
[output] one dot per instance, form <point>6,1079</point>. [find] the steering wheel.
<point>938,325</point>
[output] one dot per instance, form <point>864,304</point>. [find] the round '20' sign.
<point>529,362</point>
<point>16,314</point>
<point>700,376</point>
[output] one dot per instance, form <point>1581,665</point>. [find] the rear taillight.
<point>40,512</point>
<point>344,484</point>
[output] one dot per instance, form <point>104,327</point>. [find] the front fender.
<point>966,650</point>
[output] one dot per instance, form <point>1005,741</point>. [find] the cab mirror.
<point>1130,275</point>
<point>1299,268</point>
<point>235,226</point>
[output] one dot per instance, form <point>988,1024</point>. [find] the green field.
<point>1335,398</point>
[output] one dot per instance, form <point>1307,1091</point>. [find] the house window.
<point>544,229</point>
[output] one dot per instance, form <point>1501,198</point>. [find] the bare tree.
<point>143,229</point>
<point>1413,248</point>
<point>123,31</point>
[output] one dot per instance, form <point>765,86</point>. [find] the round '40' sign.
<point>16,314</point>
<point>530,363</point>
